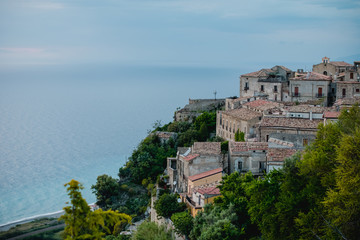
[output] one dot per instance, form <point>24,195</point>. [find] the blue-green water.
<point>59,123</point>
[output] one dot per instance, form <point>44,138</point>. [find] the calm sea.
<point>59,123</point>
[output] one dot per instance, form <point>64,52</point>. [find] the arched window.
<point>325,73</point>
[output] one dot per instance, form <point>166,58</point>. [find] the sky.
<point>212,33</point>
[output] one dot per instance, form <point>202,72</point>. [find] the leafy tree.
<point>151,231</point>
<point>239,136</point>
<point>167,205</point>
<point>105,189</point>
<point>233,193</point>
<point>183,222</point>
<point>203,132</point>
<point>81,223</point>
<point>209,118</point>
<point>215,223</point>
<point>349,119</point>
<point>343,201</point>
<point>78,223</point>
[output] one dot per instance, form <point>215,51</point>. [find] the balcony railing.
<point>296,94</point>
<point>246,88</point>
<point>319,95</point>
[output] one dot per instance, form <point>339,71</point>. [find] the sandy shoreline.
<point>7,226</point>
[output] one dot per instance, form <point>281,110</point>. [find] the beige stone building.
<point>296,130</point>
<point>243,119</point>
<point>201,157</point>
<point>331,68</point>
<point>310,86</point>
<point>275,157</point>
<point>268,83</point>
<point>247,156</point>
<point>347,89</point>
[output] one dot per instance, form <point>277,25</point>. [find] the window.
<point>246,86</point>
<point>296,91</point>
<point>351,75</point>
<point>357,90</point>
<point>262,88</point>
<point>275,97</point>
<point>239,166</point>
<point>199,200</point>
<point>319,94</point>
<point>325,73</point>
<point>343,92</point>
<point>305,142</point>
<point>267,138</point>
<point>275,89</point>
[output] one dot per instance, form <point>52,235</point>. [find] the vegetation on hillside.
<point>315,196</point>
<point>82,223</point>
<point>131,193</point>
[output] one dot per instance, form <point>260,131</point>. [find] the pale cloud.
<point>47,5</point>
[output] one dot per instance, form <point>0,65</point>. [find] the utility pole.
<point>215,94</point>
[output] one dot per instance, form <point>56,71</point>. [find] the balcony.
<point>319,95</point>
<point>246,88</point>
<point>275,90</point>
<point>296,94</point>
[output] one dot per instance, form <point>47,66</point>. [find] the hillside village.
<point>277,113</point>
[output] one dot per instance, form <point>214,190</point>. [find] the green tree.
<point>209,118</point>
<point>343,201</point>
<point>151,231</point>
<point>183,222</point>
<point>106,190</point>
<point>203,132</point>
<point>233,193</point>
<point>77,217</point>
<point>239,136</point>
<point>81,223</point>
<point>215,223</point>
<point>167,205</point>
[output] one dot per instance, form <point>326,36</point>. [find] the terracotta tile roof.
<point>281,142</point>
<point>261,73</point>
<point>347,101</point>
<point>340,64</point>
<point>207,148</point>
<point>247,146</point>
<point>331,114</point>
<point>305,108</point>
<point>312,76</point>
<point>190,157</point>
<point>290,122</point>
<point>208,191</point>
<point>242,114</point>
<point>205,174</point>
<point>279,154</point>
<point>262,105</point>
<point>286,69</point>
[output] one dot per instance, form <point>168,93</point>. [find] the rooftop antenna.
<point>215,94</point>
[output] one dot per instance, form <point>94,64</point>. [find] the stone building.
<point>275,157</point>
<point>196,106</point>
<point>247,156</point>
<point>243,119</point>
<point>310,86</point>
<point>305,111</point>
<point>261,105</point>
<point>296,130</point>
<point>347,89</point>
<point>201,157</point>
<point>235,103</point>
<point>346,102</point>
<point>271,84</point>
<point>201,196</point>
<point>331,68</point>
